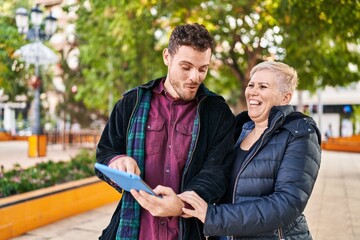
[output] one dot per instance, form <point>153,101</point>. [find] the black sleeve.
<point>112,142</point>
<point>215,151</point>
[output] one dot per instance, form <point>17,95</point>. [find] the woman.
<point>276,164</point>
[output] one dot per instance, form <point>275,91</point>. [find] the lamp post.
<point>35,52</point>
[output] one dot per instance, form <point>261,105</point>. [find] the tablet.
<point>124,180</point>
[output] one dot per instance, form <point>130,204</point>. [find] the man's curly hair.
<point>193,35</point>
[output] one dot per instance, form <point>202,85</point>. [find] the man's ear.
<point>166,56</point>
<point>286,98</point>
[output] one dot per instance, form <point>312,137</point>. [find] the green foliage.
<point>11,76</point>
<point>355,118</point>
<point>121,43</point>
<point>321,41</point>
<point>14,74</point>
<point>246,34</point>
<point>116,45</point>
<point>46,174</point>
<point>319,38</point>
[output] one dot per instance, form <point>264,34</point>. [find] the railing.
<point>345,144</point>
<point>85,138</point>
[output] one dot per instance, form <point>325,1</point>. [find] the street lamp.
<point>36,52</point>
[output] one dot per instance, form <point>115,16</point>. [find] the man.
<point>175,134</point>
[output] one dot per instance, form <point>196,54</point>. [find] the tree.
<point>310,36</point>
<point>319,38</point>
<point>117,50</point>
<point>322,40</point>
<point>12,76</point>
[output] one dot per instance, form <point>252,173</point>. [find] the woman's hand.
<point>198,204</point>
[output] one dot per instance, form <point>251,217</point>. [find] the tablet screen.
<point>124,180</point>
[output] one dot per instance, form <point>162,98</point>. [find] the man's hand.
<point>169,205</point>
<point>198,204</point>
<point>126,164</point>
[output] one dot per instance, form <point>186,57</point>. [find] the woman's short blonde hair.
<point>287,76</point>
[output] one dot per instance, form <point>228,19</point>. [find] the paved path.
<point>16,152</point>
<point>85,226</point>
<point>333,211</point>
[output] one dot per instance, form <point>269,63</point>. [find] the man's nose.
<point>194,76</point>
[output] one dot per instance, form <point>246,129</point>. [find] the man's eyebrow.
<point>186,62</point>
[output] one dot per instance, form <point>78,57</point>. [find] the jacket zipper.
<point>187,167</point>
<point>251,157</point>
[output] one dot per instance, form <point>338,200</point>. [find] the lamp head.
<point>50,25</point>
<point>36,15</point>
<point>22,20</point>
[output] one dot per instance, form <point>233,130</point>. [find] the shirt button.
<point>148,127</point>
<point>162,222</point>
<point>169,146</point>
<point>167,170</point>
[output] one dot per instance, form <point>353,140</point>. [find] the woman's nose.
<point>253,91</point>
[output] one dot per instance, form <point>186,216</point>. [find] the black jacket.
<point>208,168</point>
<point>274,183</point>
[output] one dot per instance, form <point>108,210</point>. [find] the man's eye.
<point>185,68</point>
